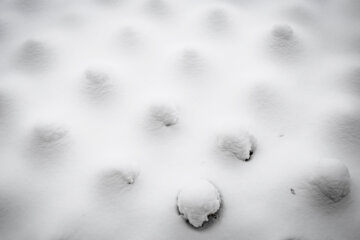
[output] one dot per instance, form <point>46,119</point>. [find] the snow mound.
<point>162,116</point>
<point>197,201</point>
<point>217,20</point>
<point>48,141</point>
<point>34,56</point>
<point>98,85</point>
<point>331,179</point>
<point>191,62</point>
<point>115,180</point>
<point>283,41</point>
<point>240,146</point>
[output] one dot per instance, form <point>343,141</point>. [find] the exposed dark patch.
<point>217,20</point>
<point>157,7</point>
<point>283,41</point>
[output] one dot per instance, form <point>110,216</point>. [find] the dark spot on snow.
<point>292,191</point>
<point>250,155</point>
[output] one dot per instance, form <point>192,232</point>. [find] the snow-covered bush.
<point>191,62</point>
<point>283,41</point>
<point>47,141</point>
<point>331,179</point>
<point>34,56</point>
<point>197,201</point>
<point>240,146</point>
<point>217,20</point>
<point>97,85</point>
<point>162,116</point>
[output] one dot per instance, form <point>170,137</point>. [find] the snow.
<point>109,109</point>
<point>197,201</point>
<point>240,146</point>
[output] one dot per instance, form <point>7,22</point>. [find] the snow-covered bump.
<point>48,140</point>
<point>191,62</point>
<point>129,39</point>
<point>283,40</point>
<point>240,146</point>
<point>283,32</point>
<point>98,86</point>
<point>217,20</point>
<point>162,116</point>
<point>331,180</point>
<point>115,180</point>
<point>34,56</point>
<point>198,201</point>
<point>157,7</point>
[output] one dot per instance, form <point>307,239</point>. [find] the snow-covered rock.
<point>197,201</point>
<point>283,41</point>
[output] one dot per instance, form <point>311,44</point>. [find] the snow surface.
<point>109,107</point>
